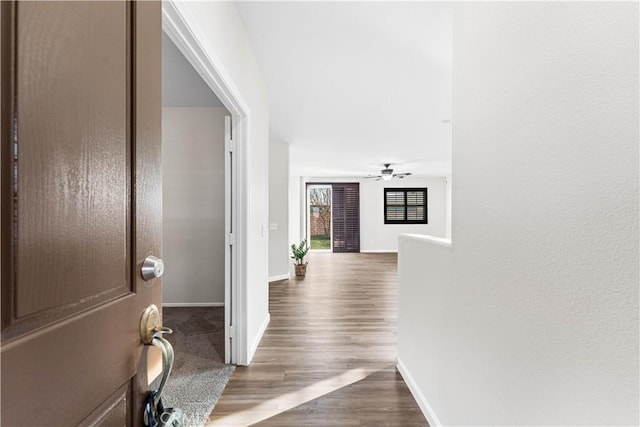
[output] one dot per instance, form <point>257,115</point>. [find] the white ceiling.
<point>182,86</point>
<point>353,85</point>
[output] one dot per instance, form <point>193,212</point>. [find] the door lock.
<point>152,268</point>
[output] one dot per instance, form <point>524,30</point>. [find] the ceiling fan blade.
<point>372,176</point>
<point>401,175</point>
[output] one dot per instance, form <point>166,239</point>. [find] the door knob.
<point>152,268</point>
<point>151,334</point>
<point>150,326</point>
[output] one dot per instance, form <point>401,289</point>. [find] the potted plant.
<point>298,254</point>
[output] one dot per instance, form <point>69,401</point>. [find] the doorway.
<point>193,170</point>
<point>319,214</point>
<point>333,214</point>
<point>196,130</point>
<point>237,348</point>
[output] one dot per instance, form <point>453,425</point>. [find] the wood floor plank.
<point>328,355</point>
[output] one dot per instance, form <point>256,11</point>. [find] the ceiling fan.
<point>387,174</point>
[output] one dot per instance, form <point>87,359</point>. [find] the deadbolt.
<point>152,268</point>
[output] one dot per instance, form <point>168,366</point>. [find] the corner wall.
<point>532,317</point>
<point>296,208</point>
<point>278,211</point>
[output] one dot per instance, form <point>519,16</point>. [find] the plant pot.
<point>301,269</point>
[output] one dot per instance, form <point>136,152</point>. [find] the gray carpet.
<point>199,374</point>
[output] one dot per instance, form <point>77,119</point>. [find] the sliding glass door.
<point>333,216</point>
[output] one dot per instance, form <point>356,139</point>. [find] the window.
<point>405,206</point>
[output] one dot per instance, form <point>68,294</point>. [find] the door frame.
<point>308,214</point>
<point>212,72</point>
<point>307,225</point>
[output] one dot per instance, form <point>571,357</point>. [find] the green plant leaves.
<point>299,251</point>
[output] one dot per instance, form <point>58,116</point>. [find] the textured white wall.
<point>278,210</point>
<point>193,204</point>
<point>218,27</point>
<point>375,235</point>
<point>535,322</point>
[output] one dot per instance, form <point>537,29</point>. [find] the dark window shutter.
<point>352,217</point>
<point>338,202</point>
<point>405,206</point>
<point>346,217</point>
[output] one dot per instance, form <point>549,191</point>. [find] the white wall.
<point>278,211</point>
<point>182,86</point>
<point>449,199</point>
<point>375,235</point>
<point>294,210</point>
<point>193,204</point>
<point>218,27</point>
<point>532,317</point>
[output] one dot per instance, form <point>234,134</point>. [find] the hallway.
<point>328,355</point>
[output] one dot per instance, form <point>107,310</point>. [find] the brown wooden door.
<point>81,207</point>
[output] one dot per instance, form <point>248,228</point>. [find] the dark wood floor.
<point>328,355</point>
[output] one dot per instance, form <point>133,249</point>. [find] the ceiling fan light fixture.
<point>387,174</point>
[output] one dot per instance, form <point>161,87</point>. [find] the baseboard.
<point>379,251</point>
<point>280,277</point>
<point>256,341</point>
<point>193,304</point>
<point>426,409</point>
